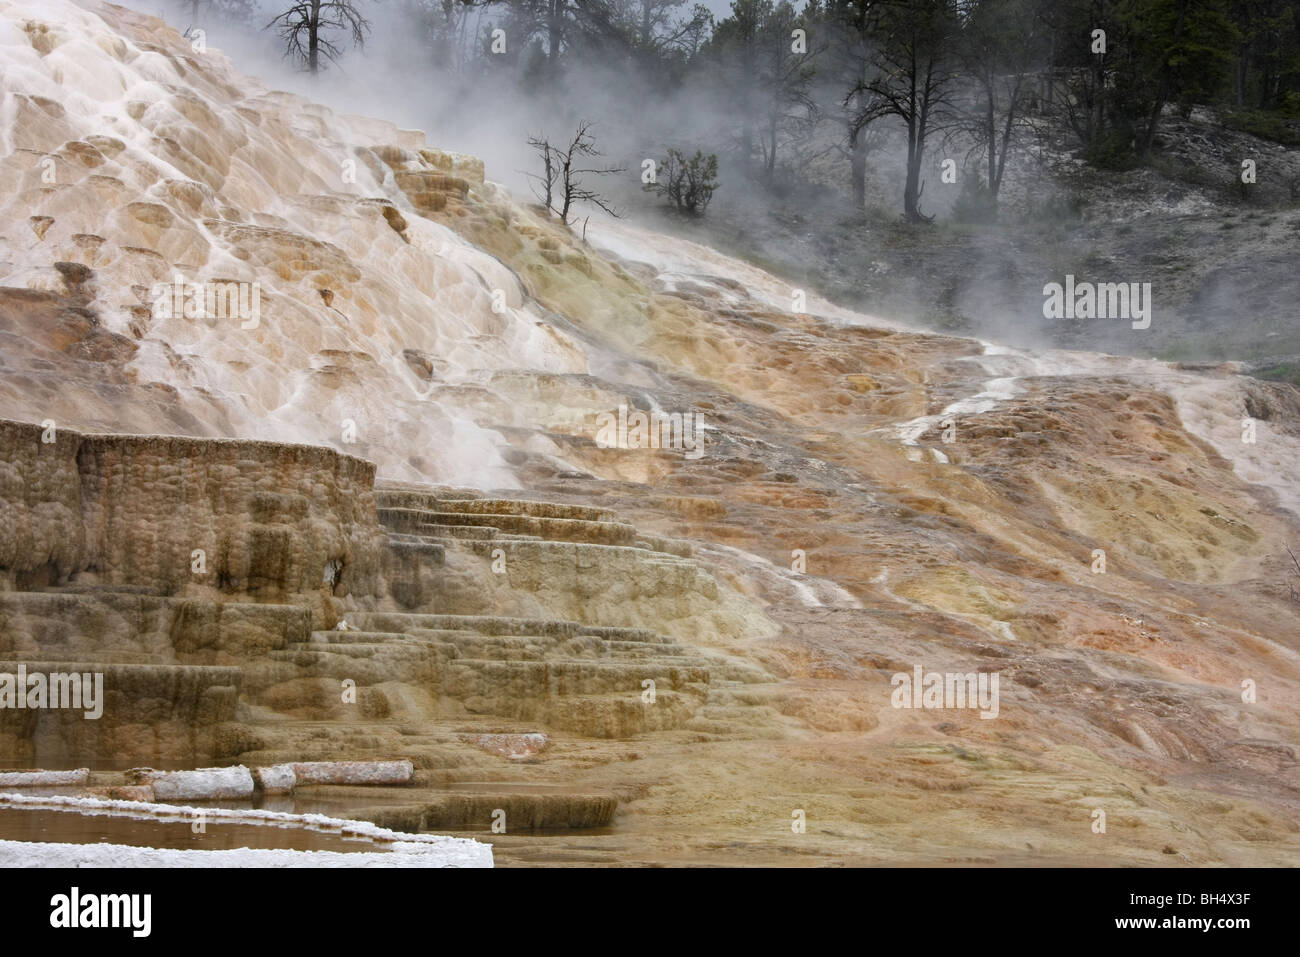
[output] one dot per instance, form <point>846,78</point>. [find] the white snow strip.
<point>353,772</point>
<point>197,785</point>
<point>277,779</point>
<point>38,854</point>
<point>44,779</point>
<point>430,850</point>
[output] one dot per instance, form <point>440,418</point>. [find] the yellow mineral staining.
<point>42,38</point>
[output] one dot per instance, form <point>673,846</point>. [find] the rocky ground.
<point>1219,256</point>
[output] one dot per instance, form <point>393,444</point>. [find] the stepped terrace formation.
<point>265,603</point>
<point>373,523</point>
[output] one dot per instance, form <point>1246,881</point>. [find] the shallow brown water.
<point>67,827</point>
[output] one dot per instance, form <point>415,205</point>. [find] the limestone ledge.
<point>270,519</point>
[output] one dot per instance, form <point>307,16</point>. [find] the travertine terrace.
<point>412,548</point>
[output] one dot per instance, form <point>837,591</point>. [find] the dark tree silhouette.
<point>914,77</point>
<point>545,189</point>
<point>563,174</point>
<point>305,29</point>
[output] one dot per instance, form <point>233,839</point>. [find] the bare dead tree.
<point>563,173</point>
<point>848,65</point>
<point>305,26</point>
<point>913,78</point>
<point>1002,48</point>
<point>1295,596</point>
<point>582,145</point>
<point>545,188</point>
<point>859,111</point>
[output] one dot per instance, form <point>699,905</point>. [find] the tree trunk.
<point>918,125</point>
<point>645,25</point>
<point>550,181</point>
<point>912,189</point>
<point>1162,90</point>
<point>1097,119</point>
<point>313,38</point>
<point>858,165</point>
<point>1239,76</point>
<point>553,26</point>
<point>995,187</point>
<point>1051,71</point>
<point>747,108</point>
<point>991,131</point>
<point>999,169</point>
<point>771,147</point>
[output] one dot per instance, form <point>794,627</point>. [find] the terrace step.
<point>445,492</point>
<point>668,546</point>
<point>417,544</point>
<point>438,501</point>
<point>365,663</point>
<point>640,649</point>
<point>414,520</point>
<point>101,588</point>
<point>352,636</point>
<point>472,644</point>
<point>477,532</point>
<point>494,625</point>
<point>533,508</point>
<point>102,624</point>
<point>183,706</point>
<point>597,715</point>
<point>305,655</point>
<point>582,649</point>
<point>170,674</point>
<point>618,633</point>
<point>468,678</point>
<point>482,624</point>
<point>476,810</point>
<point>624,716</point>
<point>596,550</point>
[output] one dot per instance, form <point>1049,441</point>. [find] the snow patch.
<point>44,779</point>
<point>202,784</point>
<point>404,850</point>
